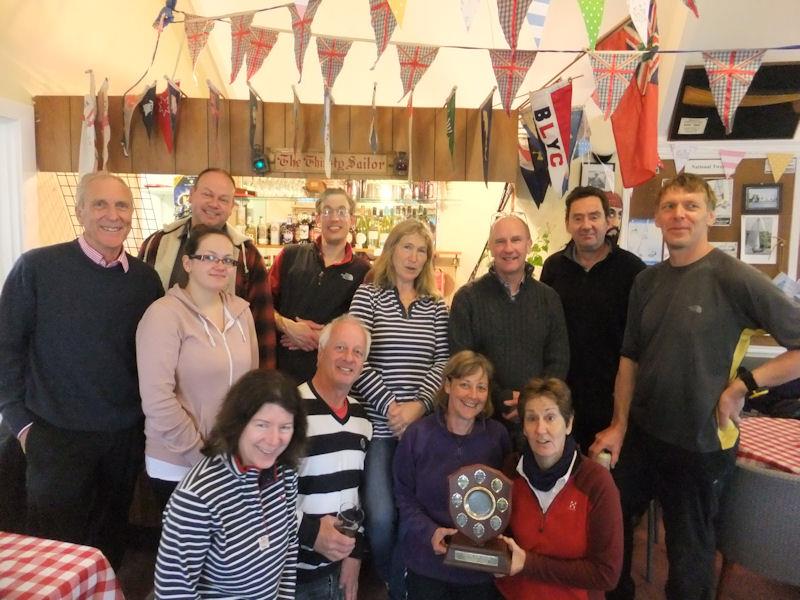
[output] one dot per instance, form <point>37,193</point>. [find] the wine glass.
<point>349,518</point>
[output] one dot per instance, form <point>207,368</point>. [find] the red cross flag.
<point>511,13</point>
<point>510,68</point>
<point>262,41</point>
<point>730,73</point>
<point>240,41</point>
<point>332,52</point>
<point>301,25</point>
<point>612,72</point>
<point>197,30</point>
<point>383,23</point>
<point>414,61</point>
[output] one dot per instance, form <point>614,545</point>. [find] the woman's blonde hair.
<point>383,274</point>
<point>463,364</point>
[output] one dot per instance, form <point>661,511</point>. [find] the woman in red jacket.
<point>566,521</point>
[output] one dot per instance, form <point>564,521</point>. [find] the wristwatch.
<point>753,389</point>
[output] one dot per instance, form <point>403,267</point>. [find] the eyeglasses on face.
<point>516,213</point>
<point>210,258</point>
<point>342,212</point>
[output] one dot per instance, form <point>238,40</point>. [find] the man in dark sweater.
<point>68,384</point>
<point>593,277</point>
<point>509,317</point>
<point>312,284</point>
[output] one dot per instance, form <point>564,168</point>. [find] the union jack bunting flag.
<point>301,25</point>
<point>510,68</point>
<point>240,41</point>
<point>332,52</point>
<point>730,73</point>
<point>612,72</point>
<point>197,30</point>
<point>414,61</point>
<point>511,13</point>
<point>537,15</point>
<point>383,23</point>
<point>262,41</point>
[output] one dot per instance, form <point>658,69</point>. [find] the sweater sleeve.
<point>256,292</point>
<point>17,319</point>
<point>433,378</point>
<point>600,568</point>
<point>555,361</point>
<point>158,348</point>
<point>415,521</point>
<point>185,541</point>
<point>460,332</point>
<point>288,581</point>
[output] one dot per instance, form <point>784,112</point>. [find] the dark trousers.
<point>80,485</point>
<point>420,587</point>
<point>162,490</point>
<point>12,476</point>
<point>689,486</point>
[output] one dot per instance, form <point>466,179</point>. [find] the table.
<point>770,442</point>
<point>50,570</point>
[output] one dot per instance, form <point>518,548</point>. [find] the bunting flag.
<point>373,128</point>
<point>332,52</point>
<point>730,73</point>
<point>410,110</point>
<point>651,59</point>
<point>486,133</point>
<point>326,128</point>
<point>197,30</point>
<point>730,160</point>
<point>252,112</point>
<point>129,104</point>
<point>167,106</point>
<point>105,125</point>
<point>681,154</point>
<point>165,15</point>
<point>398,10</point>
<point>592,11</point>
<point>612,72</point>
<point>579,133</point>
<point>214,106</point>
<point>551,108</point>
<point>450,122</point>
<point>691,5</point>
<point>778,162</point>
<point>468,10</point>
<point>510,68</point>
<point>537,15</point>
<point>301,6</point>
<point>301,25</point>
<point>414,61</point>
<point>147,107</point>
<point>87,156</point>
<point>511,13</point>
<point>260,44</point>
<point>639,11</point>
<point>240,41</point>
<point>383,24</point>
<point>296,116</point>
<point>533,166</point>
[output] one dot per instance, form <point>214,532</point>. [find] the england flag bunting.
<point>240,41</point>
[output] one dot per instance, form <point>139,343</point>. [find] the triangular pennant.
<point>639,12</point>
<point>730,73</point>
<point>301,25</point>
<point>300,6</point>
<point>410,110</point>
<point>450,121</point>
<point>592,11</point>
<point>296,116</point>
<point>167,104</point>
<point>260,44</point>
<point>332,52</point>
<point>173,87</point>
<point>778,161</point>
<point>552,108</point>
<point>468,10</point>
<point>510,68</point>
<point>537,15</point>
<point>87,155</point>
<point>196,30</point>
<point>129,104</point>
<point>240,41</point>
<point>398,10</point>
<point>648,67</point>
<point>383,24</point>
<point>612,72</point>
<point>730,160</point>
<point>103,122</point>
<point>414,61</point>
<point>253,109</point>
<point>373,127</point>
<point>579,134</point>
<point>147,108</point>
<point>691,5</point>
<point>682,154</point>
<point>486,134</point>
<point>511,13</point>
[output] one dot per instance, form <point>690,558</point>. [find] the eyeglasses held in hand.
<point>210,258</point>
<point>342,212</point>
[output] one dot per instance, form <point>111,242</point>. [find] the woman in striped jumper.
<point>408,322</point>
<point>230,528</point>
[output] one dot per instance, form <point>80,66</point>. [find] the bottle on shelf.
<point>361,229</point>
<point>302,232</point>
<point>262,237</point>
<point>373,233</point>
<point>287,231</point>
<point>385,227</point>
<point>250,230</point>
<point>274,233</point>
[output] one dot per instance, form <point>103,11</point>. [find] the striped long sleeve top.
<point>408,353</point>
<point>226,536</point>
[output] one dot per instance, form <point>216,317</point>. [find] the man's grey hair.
<point>88,179</point>
<point>325,336</point>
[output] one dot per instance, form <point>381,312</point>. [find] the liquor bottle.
<point>287,231</point>
<point>385,228</point>
<point>315,230</point>
<point>250,230</point>
<point>274,234</point>
<point>302,233</point>
<point>361,229</point>
<point>261,232</point>
<point>373,233</point>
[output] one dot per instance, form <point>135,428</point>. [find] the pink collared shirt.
<point>98,259</point>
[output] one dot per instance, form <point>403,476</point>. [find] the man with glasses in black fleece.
<point>312,284</point>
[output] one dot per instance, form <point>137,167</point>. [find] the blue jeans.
<point>323,588</point>
<point>381,516</point>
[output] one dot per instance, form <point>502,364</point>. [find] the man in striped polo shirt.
<point>338,433</point>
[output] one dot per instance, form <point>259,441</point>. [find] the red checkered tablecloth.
<point>33,568</point>
<point>771,442</point>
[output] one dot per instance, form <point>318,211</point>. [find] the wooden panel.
<point>310,131</point>
<point>240,137</point>
<point>445,168</point>
<point>400,130</point>
<point>289,130</point>
<point>424,143</point>
<point>360,119</point>
<point>75,126</point>
<point>219,137</point>
<point>117,161</point>
<point>503,161</point>
<point>51,114</point>
<point>340,128</point>
<point>191,145</point>
<point>275,125</point>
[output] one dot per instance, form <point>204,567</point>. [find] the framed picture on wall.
<point>761,198</point>
<point>599,175</point>
<point>759,243</point>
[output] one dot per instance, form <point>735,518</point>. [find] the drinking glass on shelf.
<point>349,518</point>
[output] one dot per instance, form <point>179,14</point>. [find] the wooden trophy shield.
<point>480,506</point>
